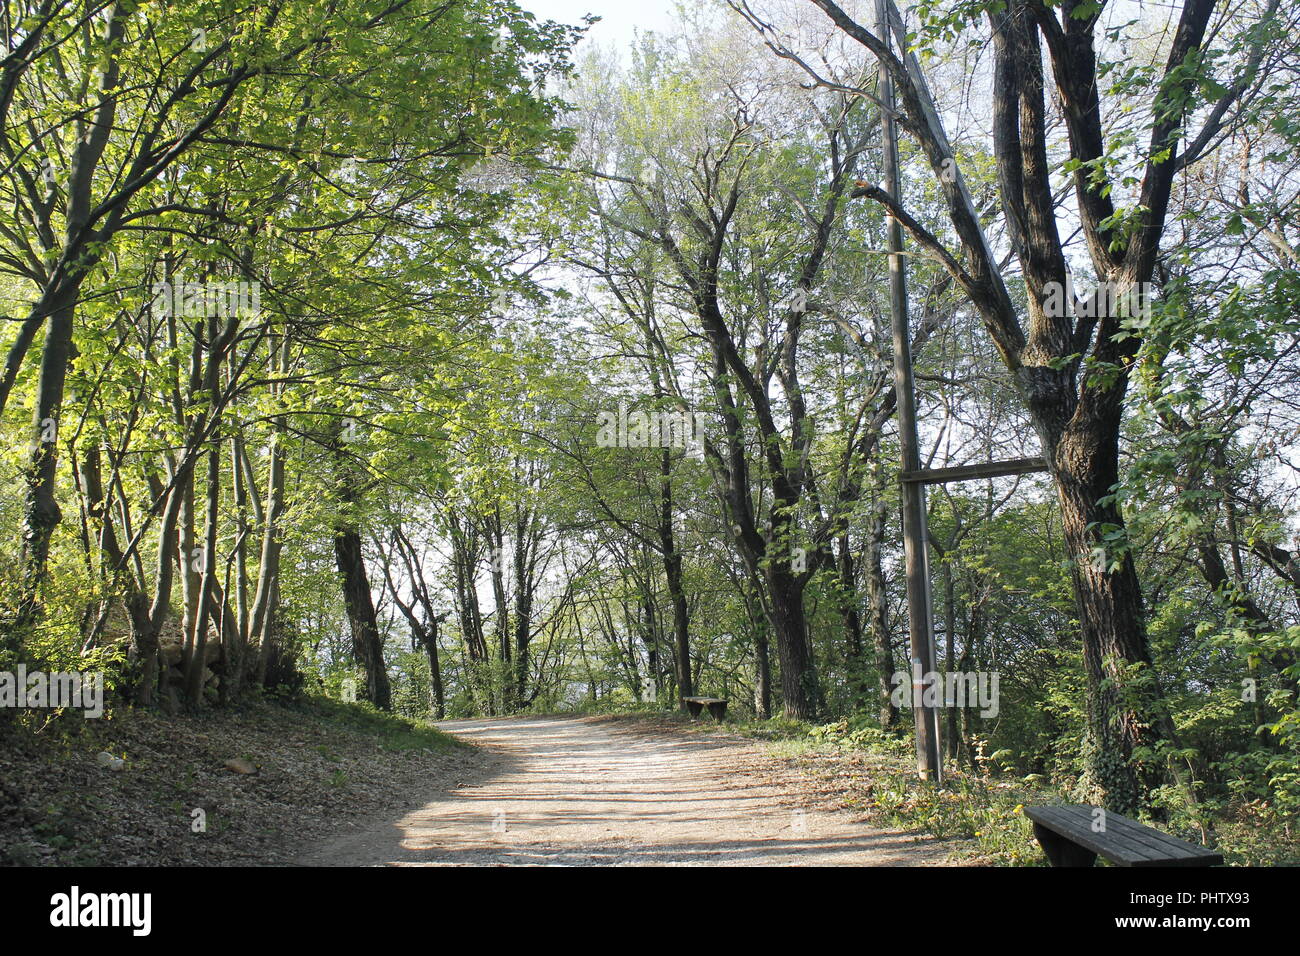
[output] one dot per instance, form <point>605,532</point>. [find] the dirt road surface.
<point>594,792</point>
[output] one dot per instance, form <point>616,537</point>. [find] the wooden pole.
<point>920,614</point>
<point>988,469</point>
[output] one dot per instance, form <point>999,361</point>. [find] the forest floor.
<point>615,790</point>
<point>312,769</point>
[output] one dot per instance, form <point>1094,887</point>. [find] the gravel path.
<point>589,792</point>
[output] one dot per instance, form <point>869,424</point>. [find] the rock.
<point>110,762</point>
<point>171,653</point>
<point>240,765</point>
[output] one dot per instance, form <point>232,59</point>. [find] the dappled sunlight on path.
<point>582,791</point>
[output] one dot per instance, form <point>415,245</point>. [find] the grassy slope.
<point>321,765</point>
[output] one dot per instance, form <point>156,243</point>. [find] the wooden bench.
<point>717,706</point>
<point>1068,837</point>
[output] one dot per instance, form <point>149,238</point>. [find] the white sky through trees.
<point>620,20</point>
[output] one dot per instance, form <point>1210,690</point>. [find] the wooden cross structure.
<point>914,478</point>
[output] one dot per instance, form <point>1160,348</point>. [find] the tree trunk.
<point>430,640</point>
<point>236,650</point>
<point>949,653</point>
<point>672,560</point>
<point>198,660</point>
<point>1110,613</point>
<point>523,622</point>
<point>146,616</point>
<point>798,675</point>
<point>191,578</point>
<point>851,618</point>
<point>762,670</point>
<point>367,644</point>
<point>878,605</point>
<point>41,513</point>
<point>266,596</point>
<point>59,299</point>
<point>501,615</point>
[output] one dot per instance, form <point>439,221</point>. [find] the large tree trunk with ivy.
<point>1113,629</point>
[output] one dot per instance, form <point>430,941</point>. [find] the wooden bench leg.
<point>1060,851</point>
<point>694,706</point>
<point>718,710</point>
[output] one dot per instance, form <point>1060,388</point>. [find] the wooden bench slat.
<point>1120,850</point>
<point>1078,829</point>
<point>1124,829</point>
<point>1121,834</point>
<point>1155,838</point>
<point>1125,842</point>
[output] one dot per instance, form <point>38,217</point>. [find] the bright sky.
<point>620,19</point>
